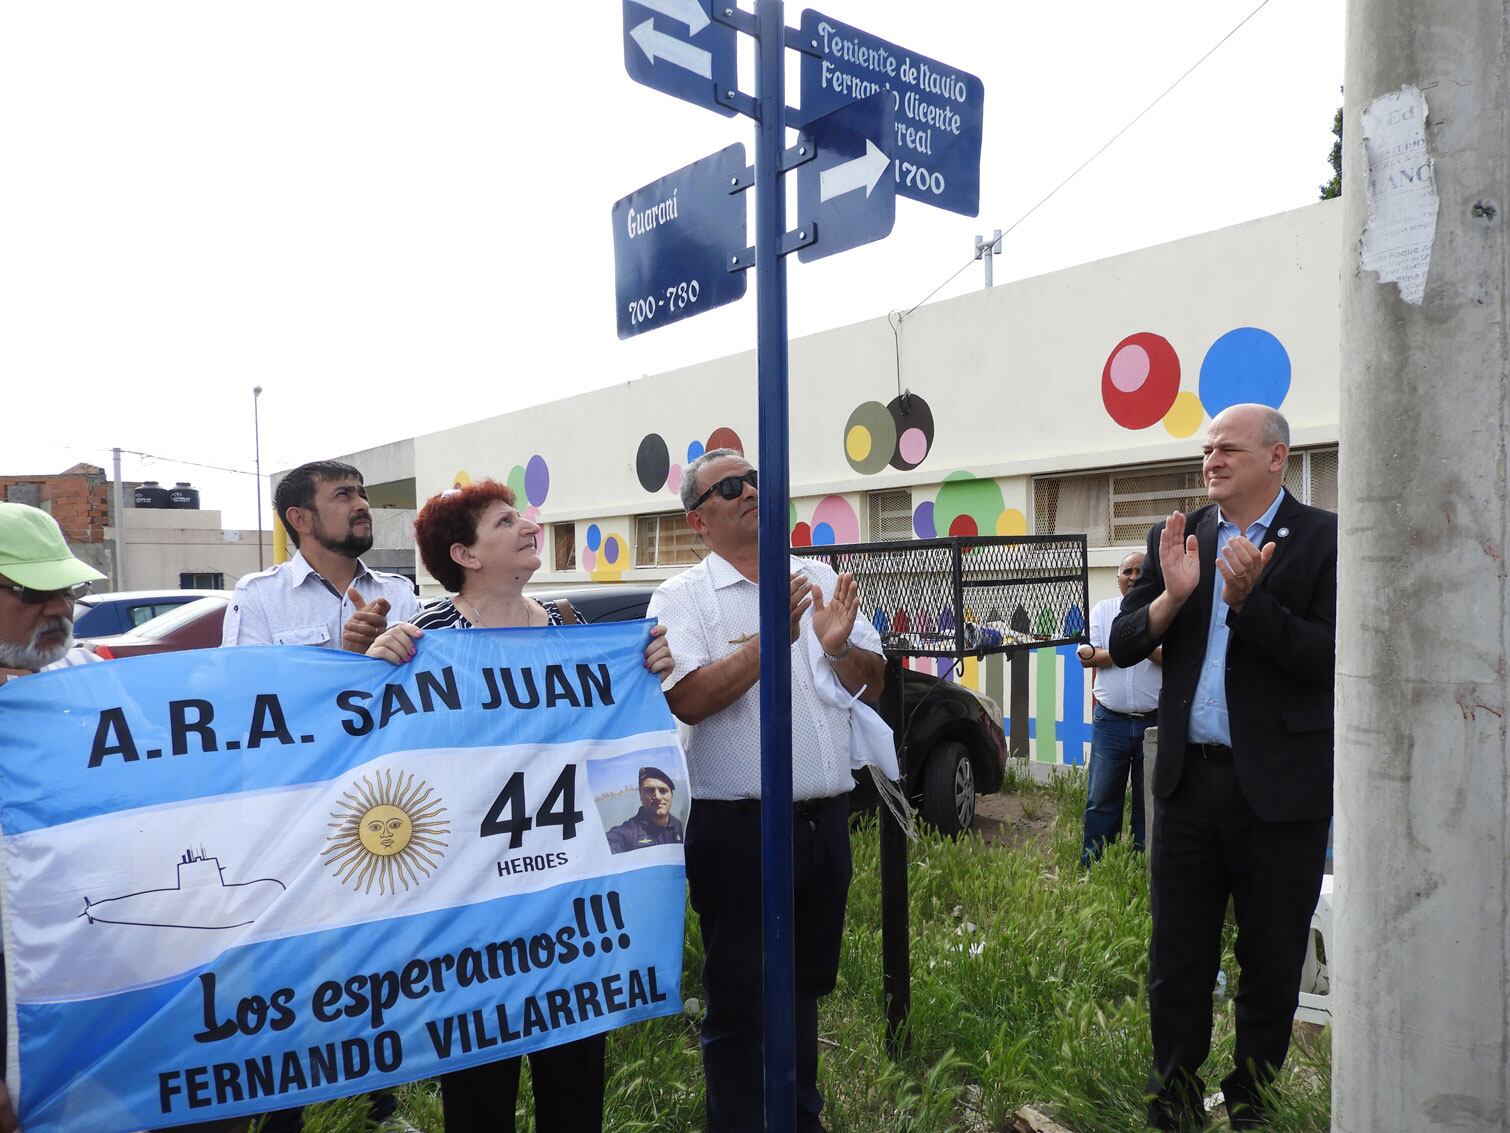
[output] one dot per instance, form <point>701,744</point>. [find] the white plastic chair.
<point>1315,976</point>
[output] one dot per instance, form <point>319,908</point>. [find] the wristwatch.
<point>835,658</point>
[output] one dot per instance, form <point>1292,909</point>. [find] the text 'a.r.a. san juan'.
<point>193,725</point>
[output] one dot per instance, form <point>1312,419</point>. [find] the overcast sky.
<point>395,217</point>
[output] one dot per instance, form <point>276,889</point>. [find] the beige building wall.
<point>1072,402</point>
<point>160,545</point>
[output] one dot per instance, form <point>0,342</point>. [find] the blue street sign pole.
<point>779,983</point>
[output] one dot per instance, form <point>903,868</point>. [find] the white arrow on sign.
<point>657,44</point>
<point>861,172</point>
<point>688,12</point>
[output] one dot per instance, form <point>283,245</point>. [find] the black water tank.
<point>150,494</point>
<point>183,495</point>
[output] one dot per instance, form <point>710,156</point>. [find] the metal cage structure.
<point>968,596</point>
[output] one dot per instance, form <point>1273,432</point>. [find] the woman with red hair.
<point>475,543</point>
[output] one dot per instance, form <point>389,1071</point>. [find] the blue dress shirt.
<point>1208,711</point>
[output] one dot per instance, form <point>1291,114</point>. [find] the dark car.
<point>955,748</point>
<point>95,615</point>
<point>194,625</point>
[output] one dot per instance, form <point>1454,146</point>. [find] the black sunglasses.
<point>730,488</point>
<point>34,597</point>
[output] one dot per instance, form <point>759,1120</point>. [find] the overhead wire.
<point>1081,167</point>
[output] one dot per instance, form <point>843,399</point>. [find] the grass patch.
<point>1027,988</point>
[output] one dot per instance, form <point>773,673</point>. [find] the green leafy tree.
<point>1333,188</point>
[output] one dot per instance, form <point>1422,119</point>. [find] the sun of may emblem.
<point>387,832</point>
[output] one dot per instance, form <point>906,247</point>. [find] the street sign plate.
<point>672,242</point>
<point>937,134</point>
<point>677,48</point>
<point>848,189</point>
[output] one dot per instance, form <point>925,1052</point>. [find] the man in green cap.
<point>39,580</point>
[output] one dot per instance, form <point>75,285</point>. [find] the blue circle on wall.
<point>823,535</point>
<point>694,450</point>
<point>1244,365</point>
<point>594,537</point>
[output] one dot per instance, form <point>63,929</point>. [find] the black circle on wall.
<point>652,464</point>
<point>911,412</point>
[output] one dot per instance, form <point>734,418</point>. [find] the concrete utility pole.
<point>1420,977</point>
<point>985,251</point>
<point>118,506</point>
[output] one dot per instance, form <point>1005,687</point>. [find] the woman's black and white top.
<point>443,614</point>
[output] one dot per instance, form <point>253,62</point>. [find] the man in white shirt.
<point>712,618</point>
<point>1127,705</point>
<point>325,595</point>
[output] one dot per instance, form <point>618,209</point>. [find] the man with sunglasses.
<point>712,616</point>
<point>39,580</point>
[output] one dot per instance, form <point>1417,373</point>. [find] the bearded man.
<point>325,595</point>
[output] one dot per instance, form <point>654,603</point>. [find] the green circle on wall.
<point>870,438</point>
<point>964,494</point>
<point>516,482</point>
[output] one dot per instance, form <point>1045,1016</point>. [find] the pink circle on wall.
<point>589,559</point>
<point>836,512</point>
<point>674,478</point>
<point>913,446</point>
<point>1129,368</point>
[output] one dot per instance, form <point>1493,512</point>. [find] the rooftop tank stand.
<point>959,597</point>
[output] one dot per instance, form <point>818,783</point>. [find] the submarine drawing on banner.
<point>202,899</point>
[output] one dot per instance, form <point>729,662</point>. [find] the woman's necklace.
<point>476,617</point>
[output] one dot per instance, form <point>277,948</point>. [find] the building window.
<point>201,580</point>
<point>1117,508</point>
<point>665,540</point>
<point>564,546</point>
<point>889,515</point>
<point>28,494</point>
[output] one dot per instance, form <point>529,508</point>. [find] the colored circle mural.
<point>610,561</point>
<point>964,495</point>
<point>652,462</point>
<point>870,438</point>
<point>922,521</point>
<point>725,438</point>
<point>914,423</point>
<point>834,521</point>
<point>899,434</point>
<point>1245,365</point>
<point>537,480</point>
<point>1140,380</point>
<point>1011,522</point>
<point>1185,416</point>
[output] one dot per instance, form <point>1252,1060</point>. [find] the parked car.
<point>193,625</point>
<point>95,615</point>
<point>955,749</point>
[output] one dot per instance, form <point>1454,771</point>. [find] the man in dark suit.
<point>1245,608</point>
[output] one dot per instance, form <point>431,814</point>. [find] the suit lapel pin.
<point>1282,532</point>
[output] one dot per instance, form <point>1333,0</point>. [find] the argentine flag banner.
<point>238,880</point>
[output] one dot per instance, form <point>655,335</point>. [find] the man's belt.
<point>806,809</point>
<point>1219,753</point>
<point>1149,715</point>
